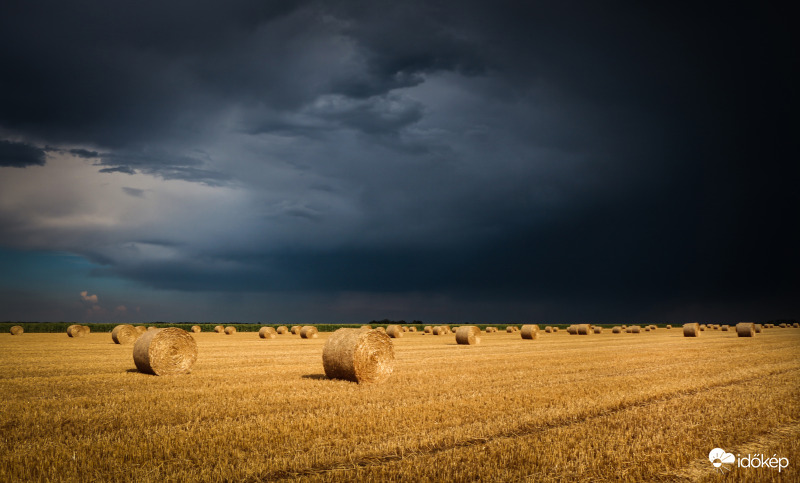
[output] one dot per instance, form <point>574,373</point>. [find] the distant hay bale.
<point>412,329</point>
<point>796,325</point>
<point>530,331</point>
<point>369,327</point>
<point>196,329</point>
<point>616,330</point>
<point>295,329</point>
<point>745,329</point>
<point>165,352</point>
<point>437,330</point>
<point>382,329</point>
<point>669,326</point>
<point>783,325</point>
<point>282,330</point>
<point>509,329</point>
<point>394,331</point>
<point>124,334</point>
<point>229,330</point>
<point>404,328</point>
<point>572,330</point>
<point>75,330</point>
<point>653,327</point>
<point>267,333</point>
<point>362,356</point>
<point>647,329</point>
<point>140,329</point>
<point>624,326</point>
<point>16,330</point>
<point>555,329</point>
<point>468,335</point>
<point>702,327</point>
<point>757,328</point>
<point>724,328</point>
<point>691,329</point>
<point>635,329</point>
<point>428,329</point>
<point>548,329</point>
<point>598,330</point>
<point>219,329</point>
<point>152,328</point>
<point>583,329</point>
<point>308,332</point>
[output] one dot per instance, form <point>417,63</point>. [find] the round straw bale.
<point>635,329</point>
<point>219,329</point>
<point>724,328</point>
<point>308,332</point>
<point>124,334</point>
<point>152,328</point>
<point>382,329</point>
<point>616,330</point>
<point>572,329</point>
<point>267,333</point>
<point>196,329</point>
<point>437,330</point>
<point>548,329</point>
<point>653,327</point>
<point>783,325</point>
<point>509,329</point>
<point>140,329</point>
<point>230,330</point>
<point>368,327</point>
<point>583,329</point>
<point>75,330</point>
<point>757,328</point>
<point>468,335</point>
<point>165,352</point>
<point>16,330</point>
<point>362,356</point>
<point>428,329</point>
<point>555,329</point>
<point>647,329</point>
<point>394,331</point>
<point>295,329</point>
<point>702,327</point>
<point>530,331</point>
<point>86,329</point>
<point>669,326</point>
<point>404,328</point>
<point>282,330</point>
<point>691,329</point>
<point>412,329</point>
<point>796,325</point>
<point>598,330</point>
<point>745,329</point>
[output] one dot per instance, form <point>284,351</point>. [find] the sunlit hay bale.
<point>713,327</point>
<point>724,328</point>
<point>530,331</point>
<point>382,329</point>
<point>509,330</point>
<point>796,325</point>
<point>219,329</point>
<point>362,356</point>
<point>282,330</point>
<point>668,326</point>
<point>548,329</point>
<point>267,333</point>
<point>75,330</point>
<point>757,328</point>
<point>745,329</point>
<point>308,332</point>
<point>555,329</point>
<point>196,329</point>
<point>295,329</point>
<point>647,329</point>
<point>404,328</point>
<point>783,325</point>
<point>635,329</point>
<point>16,330</point>
<point>653,327</point>
<point>428,329</point>
<point>366,327</point>
<point>230,330</point>
<point>702,327</point>
<point>468,335</point>
<point>598,330</point>
<point>437,330</point>
<point>691,329</point>
<point>583,329</point>
<point>412,329</point>
<point>624,326</point>
<point>394,331</point>
<point>447,329</point>
<point>124,334</point>
<point>165,352</point>
<point>616,330</point>
<point>152,328</point>
<point>140,329</point>
<point>572,330</point>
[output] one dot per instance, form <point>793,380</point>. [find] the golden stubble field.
<point>607,407</point>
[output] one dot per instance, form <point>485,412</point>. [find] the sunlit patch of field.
<point>630,407</point>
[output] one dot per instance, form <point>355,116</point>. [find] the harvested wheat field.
<point>610,407</point>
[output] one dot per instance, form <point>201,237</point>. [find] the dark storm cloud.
<point>620,152</point>
<point>20,155</point>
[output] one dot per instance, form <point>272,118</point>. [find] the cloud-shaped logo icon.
<point>718,457</point>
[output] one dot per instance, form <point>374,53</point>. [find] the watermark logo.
<point>723,461</point>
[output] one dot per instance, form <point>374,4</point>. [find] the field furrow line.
<point>520,431</point>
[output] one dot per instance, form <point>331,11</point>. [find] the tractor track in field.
<point>520,431</point>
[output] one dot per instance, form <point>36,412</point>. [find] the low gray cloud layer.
<point>612,156</point>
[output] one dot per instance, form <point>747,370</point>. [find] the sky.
<point>344,161</point>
